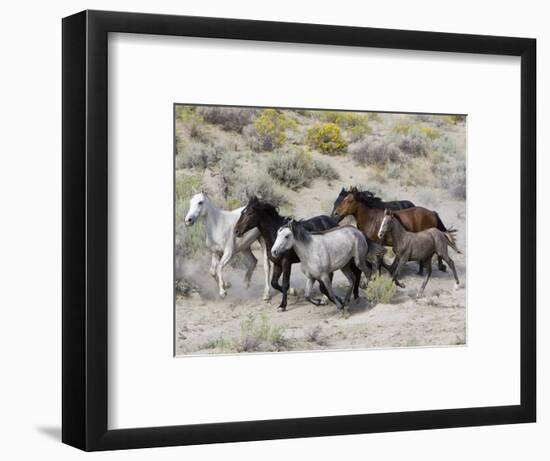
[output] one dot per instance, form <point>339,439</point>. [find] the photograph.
<point>308,230</point>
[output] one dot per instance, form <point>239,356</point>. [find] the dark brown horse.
<point>369,216</point>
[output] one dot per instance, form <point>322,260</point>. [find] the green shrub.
<point>431,133</point>
<point>260,185</point>
<point>229,174</point>
<point>345,120</point>
<point>374,150</point>
<point>199,156</point>
<point>324,170</point>
<point>186,185</point>
<point>220,343</point>
<point>401,128</point>
<point>412,141</point>
<point>454,179</point>
<point>445,145</point>
<point>295,168</point>
<point>380,289</point>
<point>229,118</point>
<point>259,335</point>
<point>268,130</point>
<point>327,138</point>
<point>185,113</point>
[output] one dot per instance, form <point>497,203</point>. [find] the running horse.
<point>368,212</point>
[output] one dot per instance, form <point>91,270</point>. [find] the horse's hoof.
<point>281,309</point>
<point>266,298</point>
<point>227,284</point>
<point>400,285</point>
<point>443,268</point>
<point>223,294</point>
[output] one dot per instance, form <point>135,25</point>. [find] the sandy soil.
<point>438,318</point>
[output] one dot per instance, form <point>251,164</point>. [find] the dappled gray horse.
<point>417,246</point>
<point>222,242</point>
<point>322,253</point>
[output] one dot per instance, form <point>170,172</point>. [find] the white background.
<point>31,194</point>
<point>147,386</point>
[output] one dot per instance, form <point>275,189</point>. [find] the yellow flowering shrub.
<point>327,138</point>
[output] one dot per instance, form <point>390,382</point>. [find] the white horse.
<point>324,252</point>
<point>222,243</point>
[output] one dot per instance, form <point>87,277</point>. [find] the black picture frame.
<point>85,219</point>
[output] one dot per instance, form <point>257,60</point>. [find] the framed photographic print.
<point>278,230</point>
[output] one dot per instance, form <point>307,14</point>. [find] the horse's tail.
<point>440,224</point>
<point>450,236</point>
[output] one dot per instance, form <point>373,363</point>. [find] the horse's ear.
<point>253,199</point>
<point>387,212</point>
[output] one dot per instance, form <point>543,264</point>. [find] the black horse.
<point>266,218</point>
<point>374,201</point>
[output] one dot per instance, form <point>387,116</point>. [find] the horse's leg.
<point>277,271</point>
<point>324,291</point>
<point>440,264</point>
<point>421,267</point>
<point>401,262</point>
<point>350,275</point>
<point>309,286</point>
<point>357,274</point>
<point>286,283</point>
<point>226,257</point>
<point>362,266</point>
<point>428,265</point>
<point>214,264</point>
<point>267,271</point>
<point>251,263</point>
<point>451,264</point>
<point>331,295</point>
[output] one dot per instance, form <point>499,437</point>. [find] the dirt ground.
<point>214,325</point>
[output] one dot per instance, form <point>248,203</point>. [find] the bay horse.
<point>375,201</point>
<point>322,253</point>
<point>264,217</point>
<point>222,243</point>
<point>368,214</point>
<point>417,246</point>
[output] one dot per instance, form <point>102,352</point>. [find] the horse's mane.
<point>267,207</point>
<point>369,199</point>
<point>299,231</point>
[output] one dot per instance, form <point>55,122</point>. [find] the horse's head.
<point>249,217</point>
<point>197,208</point>
<point>347,205</point>
<point>385,224</point>
<point>338,200</point>
<point>284,240</point>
